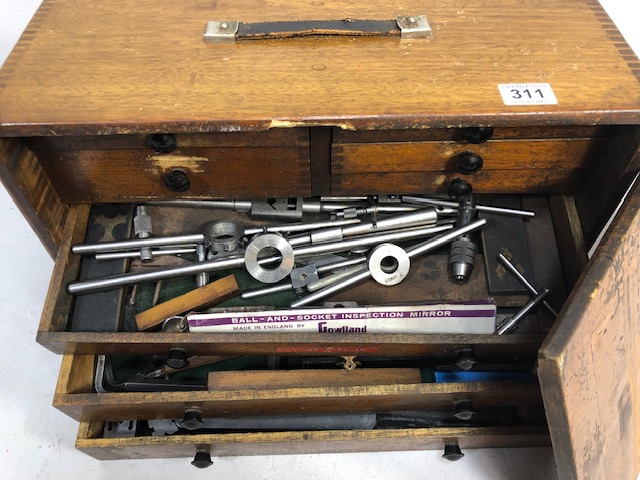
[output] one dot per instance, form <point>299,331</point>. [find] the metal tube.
<point>86,286</point>
<point>427,216</point>
<point>285,287</point>
<point>235,205</point>
<point>480,208</point>
<point>512,268</point>
<point>300,227</point>
<point>135,244</point>
<point>512,323</point>
<point>416,218</point>
<point>122,255</point>
<point>368,240</point>
<point>414,251</point>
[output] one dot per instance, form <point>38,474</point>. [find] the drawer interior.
<point>75,323</point>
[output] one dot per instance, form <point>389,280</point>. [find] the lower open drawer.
<point>383,413</point>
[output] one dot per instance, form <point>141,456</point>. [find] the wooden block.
<point>210,294</point>
<point>264,379</point>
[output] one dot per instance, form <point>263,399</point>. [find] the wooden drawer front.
<point>115,168</point>
<point>58,333</point>
<point>75,396</point>
<point>91,442</point>
<point>535,165</point>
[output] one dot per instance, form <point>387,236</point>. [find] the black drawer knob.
<point>192,420</point>
<point>202,459</point>
<point>162,142</point>
<point>469,162</point>
<point>177,358</point>
<point>452,452</point>
<point>177,181</point>
<point>466,360</point>
<point>459,188</point>
<point>477,135</point>
<point>464,410</point>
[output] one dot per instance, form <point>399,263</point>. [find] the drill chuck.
<point>462,259</point>
<point>464,248</point>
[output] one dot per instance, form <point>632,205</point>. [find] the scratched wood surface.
<point>277,443</point>
<point>142,65</point>
<point>589,365</point>
<point>284,401</point>
<point>33,192</point>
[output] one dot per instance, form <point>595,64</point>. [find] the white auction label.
<point>527,94</point>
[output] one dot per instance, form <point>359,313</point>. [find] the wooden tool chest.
<point>124,102</point>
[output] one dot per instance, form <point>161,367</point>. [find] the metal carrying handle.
<point>405,26</point>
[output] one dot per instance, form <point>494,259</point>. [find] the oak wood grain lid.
<point>137,66</point>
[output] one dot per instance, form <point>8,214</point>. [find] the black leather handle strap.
<point>230,31</point>
<point>288,29</point>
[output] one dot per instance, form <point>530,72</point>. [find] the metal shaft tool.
<point>479,208</point>
<point>511,324</point>
<point>414,251</point>
<point>512,268</point>
<point>422,217</point>
<point>133,255</point>
<point>226,263</point>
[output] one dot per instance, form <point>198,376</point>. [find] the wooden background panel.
<point>588,367</point>
<point>149,68</point>
<point>433,156</point>
<point>484,181</point>
<point>82,176</point>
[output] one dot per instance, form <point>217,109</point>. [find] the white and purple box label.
<point>478,317</point>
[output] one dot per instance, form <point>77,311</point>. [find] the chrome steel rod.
<point>368,240</point>
<point>134,254</point>
<point>300,227</point>
<point>418,218</point>
<point>414,251</point>
<point>106,283</point>
<point>509,325</point>
<point>136,243</point>
<point>235,205</point>
<point>480,208</point>
<point>285,287</point>
<point>512,268</point>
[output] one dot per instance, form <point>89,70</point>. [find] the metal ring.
<point>223,235</point>
<point>276,242</point>
<point>393,274</point>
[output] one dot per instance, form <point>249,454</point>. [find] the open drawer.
<point>390,412</point>
<point>75,324</point>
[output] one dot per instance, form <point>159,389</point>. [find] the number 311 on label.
<point>527,94</point>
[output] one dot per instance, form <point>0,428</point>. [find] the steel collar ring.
<point>269,241</point>
<point>389,264</point>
